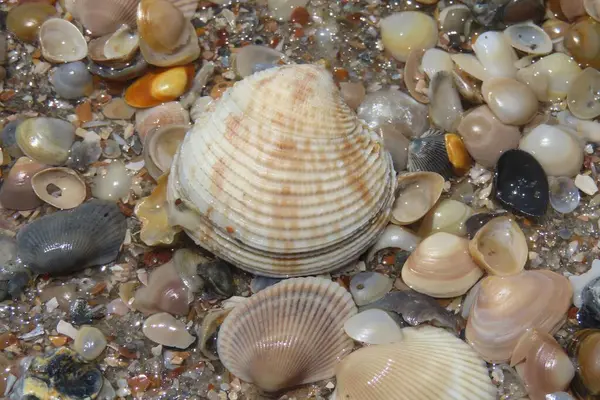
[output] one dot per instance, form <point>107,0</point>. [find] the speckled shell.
<point>428,363</point>
<point>67,241</point>
<point>288,334</point>
<point>282,179</point>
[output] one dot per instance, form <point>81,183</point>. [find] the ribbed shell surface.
<point>288,334</point>
<point>429,363</point>
<point>73,240</point>
<point>283,170</point>
<point>106,16</point>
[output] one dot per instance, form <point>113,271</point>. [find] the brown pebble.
<point>98,288</point>
<point>7,339</point>
<point>84,112</point>
<point>300,16</point>
<point>352,93</point>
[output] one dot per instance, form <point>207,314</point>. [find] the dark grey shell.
<point>428,153</point>
<point>68,241</point>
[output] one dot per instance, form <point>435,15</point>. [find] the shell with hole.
<point>441,267</point>
<point>61,41</point>
<point>427,363</point>
<point>417,193</point>
<point>505,307</point>
<point>60,187</point>
<point>105,17</point>
<point>500,247</point>
<point>333,210</point>
<point>288,334</point>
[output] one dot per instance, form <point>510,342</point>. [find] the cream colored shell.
<point>429,363</point>
<point>282,178</point>
<point>289,334</point>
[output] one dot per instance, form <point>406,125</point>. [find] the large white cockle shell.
<point>428,363</point>
<point>288,334</point>
<point>282,178</point>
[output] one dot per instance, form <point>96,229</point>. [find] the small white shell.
<point>447,216</point>
<point>60,187</point>
<point>496,54</point>
<point>373,327</point>
<point>529,38</point>
<point>160,147</point>
<point>417,194</point>
<point>288,334</point>
<point>61,41</point>
<point>89,342</point>
<point>163,328</point>
<point>367,287</point>
<point>429,363</point>
<point>122,44</point>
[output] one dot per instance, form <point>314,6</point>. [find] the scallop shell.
<point>529,38</point>
<point>60,187</point>
<point>288,334</point>
<point>73,240</point>
<point>61,41</point>
<point>429,363</point>
<point>171,113</point>
<point>104,17</point>
<point>506,307</point>
<point>441,266</point>
<point>292,195</point>
<point>417,194</point>
<point>500,247</point>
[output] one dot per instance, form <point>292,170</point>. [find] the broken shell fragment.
<point>448,216</point>
<point>425,361</point>
<point>513,102</point>
<point>582,96</point>
<point>367,287</point>
<point>500,247</point>
<point>441,267</point>
<point>279,337</point>
<point>73,240</point>
<point>60,187</point>
<point>505,307</point>
<point>46,140</point>
<point>152,213</point>
<point>17,192</point>
<point>417,193</point>
<point>159,86</point>
<point>414,77</point>
<point>373,327</point>
<point>529,38</point>
<point>163,328</point>
<point>61,41</point>
<point>401,32</point>
<point>89,343</point>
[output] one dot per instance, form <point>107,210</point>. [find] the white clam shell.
<point>496,54</point>
<point>436,60</point>
<point>505,307</point>
<point>61,41</point>
<point>445,107</point>
<point>559,152</point>
<point>288,334</point>
<point>429,363</point>
<point>513,102</point>
<point>441,266</point>
<point>373,327</point>
<point>122,44</point>
<point>367,287</point>
<point>529,38</point>
<point>550,77</point>
<point>307,194</point>
<point>161,145</point>
<point>417,194</point>
<point>71,189</point>
<point>401,32</point>
<point>470,65</point>
<point>447,216</point>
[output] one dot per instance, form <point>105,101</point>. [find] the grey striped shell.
<point>73,240</point>
<point>428,153</point>
<point>288,334</point>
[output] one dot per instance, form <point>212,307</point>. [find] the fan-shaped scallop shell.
<point>106,16</point>
<point>73,240</point>
<point>282,178</point>
<point>429,363</point>
<point>288,334</point>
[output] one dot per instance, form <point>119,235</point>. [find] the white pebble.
<point>586,184</point>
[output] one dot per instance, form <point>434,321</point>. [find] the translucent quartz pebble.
<point>89,343</point>
<point>114,184</point>
<point>367,287</point>
<point>71,80</point>
<point>373,327</point>
<point>564,195</point>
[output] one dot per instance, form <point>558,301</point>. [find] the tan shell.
<point>60,187</point>
<point>161,145</point>
<point>447,216</point>
<point>584,347</point>
<point>162,25</point>
<point>500,247</point>
<point>506,307</point>
<point>17,192</point>
<point>106,16</point>
<point>171,113</point>
<point>582,93</point>
<point>288,334</point>
<point>417,193</point>
<point>441,266</point>
<point>61,41</point>
<point>185,54</point>
<point>282,178</point>
<point>414,77</point>
<point>428,363</point>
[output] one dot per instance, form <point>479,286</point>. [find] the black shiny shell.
<point>521,185</point>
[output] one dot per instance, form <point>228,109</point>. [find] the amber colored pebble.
<point>298,32</point>
<point>129,354</point>
<point>220,88</point>
<point>58,341</point>
<point>300,16</point>
<point>340,74</point>
<point>274,41</point>
<point>583,42</point>
<point>139,384</point>
<point>84,112</point>
<point>200,31</point>
<point>159,86</point>
<point>157,257</point>
<point>354,18</point>
<point>7,339</point>
<point>458,155</point>
<point>25,20</point>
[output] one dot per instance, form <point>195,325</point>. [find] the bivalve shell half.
<point>61,41</point>
<point>585,349</point>
<point>46,140</point>
<point>507,306</point>
<point>162,25</point>
<point>529,38</point>
<point>441,267</point>
<point>17,192</point>
<point>550,78</point>
<point>188,52</point>
<point>582,96</point>
<point>417,194</point>
<point>105,17</point>
<point>60,187</point>
<point>428,363</point>
<point>288,334</point>
<point>160,147</point>
<point>260,196</point>
<point>171,113</point>
<point>500,247</point>
<point>447,216</point>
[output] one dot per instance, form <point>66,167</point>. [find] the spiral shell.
<point>288,334</point>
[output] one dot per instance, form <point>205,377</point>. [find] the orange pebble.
<point>300,16</point>
<point>159,86</point>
